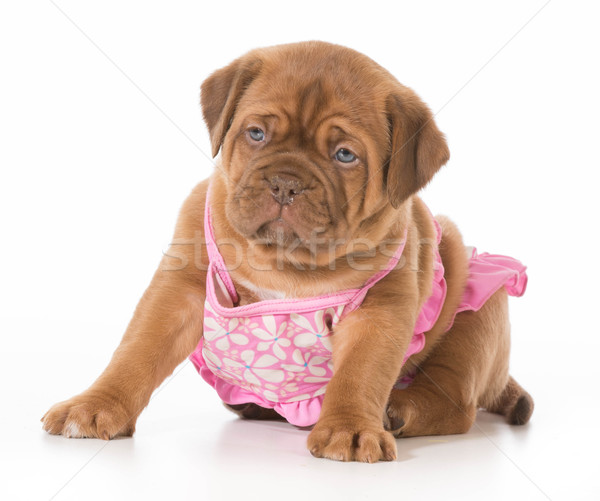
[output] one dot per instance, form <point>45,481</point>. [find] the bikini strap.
<point>391,264</point>
<point>217,263</point>
<point>214,256</point>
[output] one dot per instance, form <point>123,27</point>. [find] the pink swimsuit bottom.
<point>277,353</point>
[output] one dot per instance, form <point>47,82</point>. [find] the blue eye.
<point>256,134</point>
<point>345,156</point>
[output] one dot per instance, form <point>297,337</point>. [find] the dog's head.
<point>316,141</point>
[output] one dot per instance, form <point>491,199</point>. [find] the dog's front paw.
<point>89,415</point>
<point>350,442</point>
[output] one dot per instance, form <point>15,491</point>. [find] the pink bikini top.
<point>277,353</point>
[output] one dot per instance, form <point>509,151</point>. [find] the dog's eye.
<point>345,156</point>
<point>256,134</point>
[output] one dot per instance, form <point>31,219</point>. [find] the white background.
<point>101,138</point>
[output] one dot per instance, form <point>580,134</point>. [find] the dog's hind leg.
<point>514,403</point>
<point>467,370</point>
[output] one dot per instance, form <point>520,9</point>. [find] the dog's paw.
<point>367,443</point>
<point>399,417</point>
<point>89,415</point>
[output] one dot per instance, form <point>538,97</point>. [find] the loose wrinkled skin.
<point>322,152</point>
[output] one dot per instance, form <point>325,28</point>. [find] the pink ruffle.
<point>487,274</point>
<point>430,312</point>
<point>301,413</point>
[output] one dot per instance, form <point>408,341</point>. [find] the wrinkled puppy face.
<point>299,158</point>
<point>316,140</point>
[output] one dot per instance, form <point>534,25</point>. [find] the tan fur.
<point>310,100</point>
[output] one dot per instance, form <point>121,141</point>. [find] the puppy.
<point>318,288</point>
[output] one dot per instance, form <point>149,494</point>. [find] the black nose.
<point>285,188</point>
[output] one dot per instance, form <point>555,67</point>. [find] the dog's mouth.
<point>276,232</point>
<point>269,217</point>
<point>264,220</point>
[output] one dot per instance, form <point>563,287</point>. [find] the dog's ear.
<point>220,94</point>
<point>418,148</point>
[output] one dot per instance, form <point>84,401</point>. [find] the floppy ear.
<point>418,150</point>
<point>220,94</point>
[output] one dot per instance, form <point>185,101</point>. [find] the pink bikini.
<point>277,353</point>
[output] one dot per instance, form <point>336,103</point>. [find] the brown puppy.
<point>321,148</point>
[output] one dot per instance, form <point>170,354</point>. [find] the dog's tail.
<point>514,403</point>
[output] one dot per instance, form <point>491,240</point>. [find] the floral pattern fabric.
<point>282,358</point>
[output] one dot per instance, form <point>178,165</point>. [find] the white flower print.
<point>320,391</point>
<point>323,319</point>
<point>284,390</point>
<point>257,369</point>
<point>212,361</point>
<point>271,337</point>
<point>218,368</point>
<point>313,379</point>
<point>290,387</point>
<point>222,334</point>
<point>297,398</point>
<point>247,325</point>
<point>272,396</point>
<point>305,363</point>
